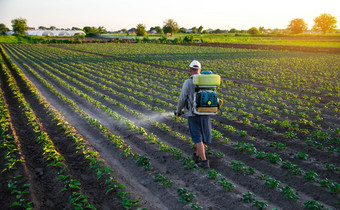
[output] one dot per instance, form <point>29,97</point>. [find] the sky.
<point>211,14</point>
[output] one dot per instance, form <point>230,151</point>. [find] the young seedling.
<point>288,193</point>
<point>248,197</point>
<point>195,206</point>
<point>185,196</point>
<point>228,186</point>
<point>302,155</point>
<point>260,204</point>
<point>311,176</point>
<point>313,205</point>
<point>272,183</point>
<point>144,161</point>
<point>212,174</point>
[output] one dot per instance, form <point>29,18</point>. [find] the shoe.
<point>195,158</point>
<point>203,164</point>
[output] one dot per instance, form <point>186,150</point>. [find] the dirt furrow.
<point>77,166</point>
<point>43,178</point>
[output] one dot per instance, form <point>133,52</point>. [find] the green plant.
<point>288,193</point>
<point>212,174</point>
<point>165,182</point>
<point>273,157</point>
<point>334,188</point>
<point>313,205</point>
<point>311,176</point>
<point>228,186</point>
<point>144,161</point>
<point>239,166</point>
<point>302,155</point>
<point>272,183</point>
<point>330,167</point>
<point>248,197</point>
<point>185,195</point>
<point>195,206</point>
<point>325,183</point>
<point>188,163</point>
<point>260,204</point>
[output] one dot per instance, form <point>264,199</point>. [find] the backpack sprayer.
<point>206,101</point>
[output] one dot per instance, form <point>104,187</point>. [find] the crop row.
<point>77,199</point>
<point>295,71</point>
<point>16,183</point>
<point>263,109</point>
<point>241,133</point>
<point>50,153</point>
<point>286,124</point>
<point>144,161</point>
<point>133,100</point>
<point>116,140</point>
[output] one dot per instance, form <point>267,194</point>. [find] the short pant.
<point>200,128</point>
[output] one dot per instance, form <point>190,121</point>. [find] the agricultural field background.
<point>315,40</point>
<point>92,126</point>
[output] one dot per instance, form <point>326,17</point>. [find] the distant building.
<point>132,31</point>
<point>54,32</point>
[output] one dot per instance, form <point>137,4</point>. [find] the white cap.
<point>195,64</point>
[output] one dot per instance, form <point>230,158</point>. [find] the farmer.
<point>199,125</point>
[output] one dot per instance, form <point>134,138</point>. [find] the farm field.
<point>92,126</point>
<point>330,40</point>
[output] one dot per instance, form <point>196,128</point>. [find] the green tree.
<point>19,26</point>
<point>200,29</point>
<point>324,23</point>
<point>140,30</point>
<point>182,30</point>
<point>233,30</point>
<point>253,31</point>
<point>93,31</point>
<point>76,28</point>
<point>3,29</point>
<point>158,29</point>
<point>298,25</point>
<point>52,28</point>
<point>90,31</point>
<point>170,26</point>
<point>262,29</point>
<point>42,28</point>
<point>101,30</point>
<point>194,30</point>
<point>217,31</point>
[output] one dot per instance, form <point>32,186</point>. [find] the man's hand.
<point>178,114</point>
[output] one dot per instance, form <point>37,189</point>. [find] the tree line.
<point>324,23</point>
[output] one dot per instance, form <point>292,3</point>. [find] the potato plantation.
<point>92,126</point>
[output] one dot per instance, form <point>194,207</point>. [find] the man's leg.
<point>200,148</point>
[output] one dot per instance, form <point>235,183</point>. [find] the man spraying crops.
<point>199,125</point>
